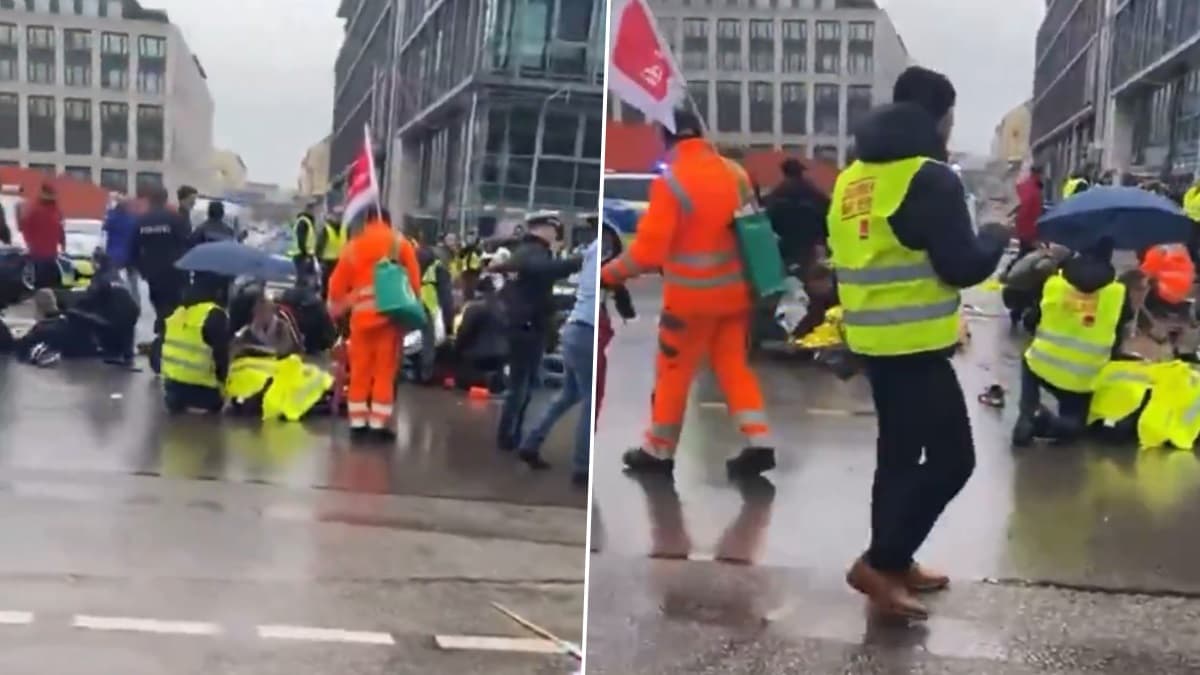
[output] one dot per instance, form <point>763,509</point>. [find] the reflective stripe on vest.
<point>1075,335</point>
<point>893,301</point>
<point>186,358</point>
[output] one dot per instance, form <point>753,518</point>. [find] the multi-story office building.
<point>363,78</point>
<point>498,111</point>
<point>105,91</point>
<point>1067,84</point>
<point>1154,86</point>
<point>795,75</point>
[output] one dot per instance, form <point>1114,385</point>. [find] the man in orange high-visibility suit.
<point>687,233</point>
<point>375,341</point>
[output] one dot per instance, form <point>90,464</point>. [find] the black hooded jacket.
<point>933,216</point>
<point>797,210</point>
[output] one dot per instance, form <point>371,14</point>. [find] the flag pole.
<point>371,162</point>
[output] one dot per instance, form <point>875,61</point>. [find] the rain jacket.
<point>160,238</point>
<point>798,212</point>
<point>119,226</point>
<point>933,216</point>
<point>529,298</point>
<point>1029,208</point>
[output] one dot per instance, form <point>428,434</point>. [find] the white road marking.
<point>116,623</point>
<point>496,644</point>
<point>9,618</point>
<point>309,634</point>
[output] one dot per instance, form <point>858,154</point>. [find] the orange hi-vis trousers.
<point>374,359</point>
<point>683,343</point>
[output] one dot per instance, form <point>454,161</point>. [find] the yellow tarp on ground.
<point>1174,389</point>
<point>828,334</point>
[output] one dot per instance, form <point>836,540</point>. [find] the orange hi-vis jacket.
<point>352,284</point>
<point>687,232</point>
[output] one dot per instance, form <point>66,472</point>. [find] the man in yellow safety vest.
<point>903,245</point>
<point>330,242</point>
<point>1079,328</point>
<point>195,347</point>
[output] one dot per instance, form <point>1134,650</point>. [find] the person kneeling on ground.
<point>480,341</point>
<point>195,347</point>
<point>1079,326</point>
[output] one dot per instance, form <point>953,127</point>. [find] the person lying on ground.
<point>480,340</point>
<point>55,335</point>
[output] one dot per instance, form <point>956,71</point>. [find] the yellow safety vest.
<point>335,240</point>
<point>893,302</point>
<point>296,388</point>
<point>1165,418</point>
<point>1191,202</point>
<point>1071,186</point>
<point>310,245</point>
<point>1075,335</point>
<point>249,375</point>
<point>186,358</point>
<point>469,262</point>
<point>1185,427</point>
<point>429,290</point>
<point>1119,391</point>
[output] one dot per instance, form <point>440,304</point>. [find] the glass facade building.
<point>497,112</point>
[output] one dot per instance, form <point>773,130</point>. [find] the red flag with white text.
<point>641,69</point>
<point>362,185</point>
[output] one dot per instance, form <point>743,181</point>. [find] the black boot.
<point>751,461</point>
<point>1024,432</point>
<point>639,461</point>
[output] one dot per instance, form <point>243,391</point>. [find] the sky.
<point>270,72</point>
<point>986,49</point>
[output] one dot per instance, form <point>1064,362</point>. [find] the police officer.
<point>902,246</point>
<point>195,347</point>
<point>304,242</point>
<point>1078,330</point>
<point>330,242</point>
<point>160,237</point>
<point>1077,182</point>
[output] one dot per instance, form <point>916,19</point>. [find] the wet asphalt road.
<point>1049,547</point>
<point>112,510</point>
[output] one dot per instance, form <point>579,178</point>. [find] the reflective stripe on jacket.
<point>893,302</point>
<point>687,232</point>
<point>1075,335</point>
<point>186,358</point>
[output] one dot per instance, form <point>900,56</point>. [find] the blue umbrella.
<point>1134,219</point>
<point>231,259</point>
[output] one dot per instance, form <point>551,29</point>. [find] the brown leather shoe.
<point>921,579</point>
<point>887,592</point>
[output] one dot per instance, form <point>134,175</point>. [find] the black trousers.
<point>166,290</point>
<point>46,273</point>
<point>180,397</point>
<point>1072,406</point>
<point>526,349</point>
<point>921,412</point>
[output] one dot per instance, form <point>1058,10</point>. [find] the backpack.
<point>394,297</point>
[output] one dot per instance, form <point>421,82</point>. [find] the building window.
<point>150,82</point>
<point>114,131</point>
<point>762,46</point>
<point>115,44</point>
<point>858,105</point>
<point>698,90</point>
<point>8,53</point>
<point>559,133</point>
<point>829,47</point>
<point>695,44</point>
<point>83,173</point>
<point>729,106</point>
<point>826,153</point>
<point>10,121</point>
<point>150,133</point>
<point>77,130</point>
<point>668,27</point>
<point>42,115</point>
<point>48,170</point>
<point>78,40</point>
<point>826,117</point>
<point>78,58</point>
<point>793,114</point>
<point>87,7</point>
<point>152,47</point>
<point>729,45</point>
<point>795,46</point>
<point>860,48</point>
<point>148,182</point>
<point>39,52</point>
<point>762,107</point>
<point>115,180</point>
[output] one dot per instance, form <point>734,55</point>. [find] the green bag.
<point>762,263</point>
<point>394,297</point>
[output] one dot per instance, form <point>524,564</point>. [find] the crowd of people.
<point>893,247</point>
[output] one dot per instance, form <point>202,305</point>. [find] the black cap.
<point>216,209</point>
<point>687,125</point>
<point>927,88</point>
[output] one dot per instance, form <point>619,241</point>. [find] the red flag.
<point>362,186</point>
<point>642,72</point>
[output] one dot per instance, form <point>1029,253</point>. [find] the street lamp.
<point>537,149</point>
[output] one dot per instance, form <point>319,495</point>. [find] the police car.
<point>626,197</point>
